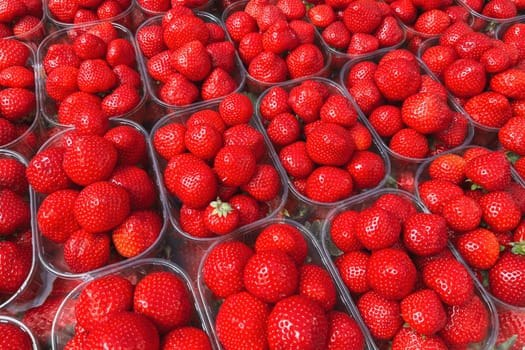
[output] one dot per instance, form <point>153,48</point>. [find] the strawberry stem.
<point>220,208</point>
<point>518,248</point>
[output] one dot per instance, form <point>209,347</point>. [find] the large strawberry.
<point>508,290</point>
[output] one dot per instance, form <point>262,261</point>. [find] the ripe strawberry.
<point>377,228</point>
<point>480,248</point>
<point>164,299</point>
<point>192,222</point>
<point>168,140</point>
<point>13,53</point>
<point>496,116</point>
<point>184,29</point>
<point>268,15</point>
<point>465,77</point>
<point>191,180</point>
<point>7,131</point>
<point>450,280</point>
<point>12,9</point>
<point>150,40</point>
<point>220,217</point>
<point>247,136</point>
<point>39,319</point>
<point>295,160</point>
<point>329,184</point>
<point>265,183</point>
<point>16,103</point>
<point>322,15</point>
<point>389,32</point>
<point>203,141</point>
<point>101,299</point>
<point>14,337</point>
<point>381,316</point>
<point>500,211</point>
<point>14,267</point>
<point>424,312</point>
<point>317,284</point>
<point>500,9</point>
<point>13,175</point>
<point>55,215</point>
<point>17,76</point>
<point>130,144</point>
<point>192,60</point>
<point>271,275</point>
<point>352,267</point>
<point>510,83</point>
<point>367,95</point>
<point>75,103</point>
<point>362,17</point>
<point>235,165</point>
<point>95,76</point>
<point>496,60</point>
<point>391,273</point>
<point>308,324</point>
<point>449,167</point>
<point>138,184</point>
<point>284,129</point>
<point>490,171</point>
<point>218,84</point>
<point>462,213</point>
<point>240,23</point>
<point>426,113</point>
<point>62,82</point>
<point>435,193</point>
<point>468,323</point>
<point>409,143</point>
<point>283,237</point>
<point>344,332</point>
<point>511,324</point>
<point>367,169</point>
<point>45,173</point>
<point>508,290</point>
<point>246,315</point>
<point>397,78</point>
<point>268,67</point>
<point>138,232</point>
<point>386,120</point>
<point>124,329</point>
<point>121,101</point>
<point>101,206</point>
<point>188,337</point>
<point>250,46</point>
<point>408,337</point>
<point>160,68</point>
<point>85,251</point>
<point>338,109</point>
<point>512,135</point>
<point>329,144</point>
<point>432,22</point>
<point>306,59</point>
<point>14,212</point>
<point>425,234</point>
<point>279,38</point>
<point>306,101</point>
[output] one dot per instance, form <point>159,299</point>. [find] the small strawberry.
<point>386,120</point>
<point>13,175</point>
<point>317,284</point>
<point>220,217</point>
<point>279,38</point>
<point>308,324</point>
<point>219,83</point>
<point>306,101</point>
<point>480,248</point>
<point>295,160</point>
<point>424,312</point>
<point>448,167</point>
<point>381,316</point>
<point>239,24</point>
<point>512,135</point>
<point>168,140</point>
<point>265,183</point>
<point>508,290</point>
<point>192,222</point>
<point>511,325</point>
<point>14,267</point>
<point>490,171</point>
<point>138,184</point>
<point>510,83</point>
<point>138,232</point>
<point>425,234</point>
<point>184,29</point>
<point>150,41</point>
<point>409,143</point>
<point>45,173</point>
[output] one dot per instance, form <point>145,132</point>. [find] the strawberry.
<point>306,101</point>
<point>284,129</point>
<point>381,316</point>
<point>490,171</point>
<point>130,144</point>
<point>13,175</point>
<point>279,38</point>
<point>138,232</point>
<point>512,135</point>
<point>188,337</point>
<point>496,116</point>
<point>178,90</point>
<point>242,313</point>
<point>308,324</point>
<point>122,100</point>
<point>329,144</point>
<point>295,160</point>
<point>409,143</point>
<point>191,180</point>
<point>283,237</point>
<point>164,299</point>
<point>62,82</point>
<point>95,76</point>
<point>160,68</point>
<point>435,193</point>
<point>424,312</point>
<point>235,165</point>
<point>432,22</point>
<point>85,251</point>
<point>138,184</point>
<point>14,337</point>
<point>192,60</point>
<point>89,46</point>
<point>500,211</point>
<point>14,212</point>
<point>60,55</point>
<point>203,141</point>
<point>480,248</point>
<point>391,273</point>
<point>268,15</point>
<point>465,77</point>
<point>101,206</point>
<point>271,275</point>
<point>462,213</point>
<point>449,167</point>
<point>367,169</point>
<point>438,58</point>
<point>184,29</point>
<point>389,32</point>
<point>377,228</point>
<point>426,113</point>
<point>317,284</point>
<point>386,120</point>
<point>329,184</point>
<point>268,67</point>
<point>455,287</point>
<point>500,9</point>
<point>12,9</point>
<point>342,232</point>
<point>45,173</point>
<point>265,183</point>
<point>250,47</point>
<point>321,15</point>
<point>393,202</point>
<point>39,319</point>
<point>408,337</point>
<point>101,299</point>
<point>155,6</point>
<point>344,332</point>
<point>150,41</point>
<point>17,76</point>
<point>55,215</point>
<point>13,53</point>
<point>124,329</point>
<point>508,290</point>
<point>511,324</point>
<point>306,59</point>
<point>362,16</point>
<point>239,24</point>
<point>7,131</point>
<point>425,234</point>
<point>16,103</point>
<point>496,60</point>
<point>352,267</point>
<point>74,103</point>
<point>220,217</point>
<point>468,323</point>
<point>13,276</point>
<point>192,222</point>
<point>393,74</point>
<point>510,83</point>
<point>168,140</point>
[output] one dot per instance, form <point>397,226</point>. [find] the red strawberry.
<point>500,211</point>
<point>352,267</point>
<point>424,312</point>
<point>164,299</point>
<point>160,68</point>
<point>367,169</point>
<point>381,316</point>
<point>45,173</point>
<point>322,15</point>
<point>435,193</point>
<point>39,319</point>
<point>250,46</point>
<point>240,23</point>
<point>192,222</point>
<point>391,273</point>
<point>13,53</point>
<point>73,104</point>
<point>342,231</point>
<point>169,140</point>
<point>503,288</point>
<point>330,144</point>
<point>490,171</point>
<point>191,180</point>
<point>306,59</point>
<point>62,82</point>
<point>510,83</point>
<point>292,9</point>
<point>283,237</point>
<point>432,22</point>
<point>12,9</point>
<point>377,228</point>
<point>13,175</point>
<point>295,160</point>
<point>393,202</point>
<point>511,324</point>
<point>150,41</point>
<point>14,337</point>
<point>13,212</point>
<point>308,324</point>
<point>246,136</point>
<point>450,280</point>
<point>190,338</point>
<point>465,77</point>
<point>14,267</point>
<point>490,109</point>
<point>362,16</point>
<point>268,67</point>
<point>468,323</point>
<point>130,144</point>
<point>121,101</point>
<point>220,217</point>
<point>120,51</point>
<point>329,184</point>
<point>137,233</point>
<point>246,315</point>
<point>425,234</point>
<point>236,109</point>
<point>17,76</point>
<point>124,329</point>
<point>361,43</point>
<point>265,183</point>
<point>192,60</point>
<point>408,337</point>
<point>55,216</point>
<point>306,101</point>
<point>101,206</point>
<point>397,78</point>
<point>178,91</point>
<point>512,135</point>
<point>95,76</point>
<point>222,55</point>
<point>449,167</point>
<point>226,280</point>
<point>218,84</point>
<point>409,143</point>
<point>462,213</point>
<point>279,38</point>
<point>268,15</point>
<point>271,275</point>
<point>480,248</point>
<point>101,299</point>
<point>85,251</point>
<point>138,184</point>
<point>426,113</point>
<point>16,103</point>
<point>500,9</point>
<point>317,284</point>
<point>386,120</point>
<point>235,165</point>
<point>184,29</point>
<point>367,95</point>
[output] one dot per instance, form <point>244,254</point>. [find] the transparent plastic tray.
<point>51,253</point>
<point>315,256</point>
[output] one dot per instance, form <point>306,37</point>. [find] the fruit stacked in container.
<point>23,20</point>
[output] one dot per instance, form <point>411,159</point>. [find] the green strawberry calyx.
<point>220,208</point>
<point>518,248</point>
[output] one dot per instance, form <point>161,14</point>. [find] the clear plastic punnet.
<point>315,256</point>
<point>134,271</point>
<point>66,36</point>
<point>37,31</point>
<point>51,253</point>
<point>489,20</point>
<point>332,250</point>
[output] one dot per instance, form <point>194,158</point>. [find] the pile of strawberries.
<point>395,261</point>
<point>17,91</point>
<point>22,19</point>
<point>16,246</point>
<point>494,10</point>
<point>406,107</point>
<point>91,75</point>
<point>187,57</point>
<point>274,41</point>
<point>323,147</point>
<point>356,27</point>
<point>147,311</point>
<point>83,11</point>
<point>218,168</point>
<point>97,194</point>
<point>476,193</point>
<point>275,293</point>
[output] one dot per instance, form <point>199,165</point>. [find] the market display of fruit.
<point>262,174</point>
